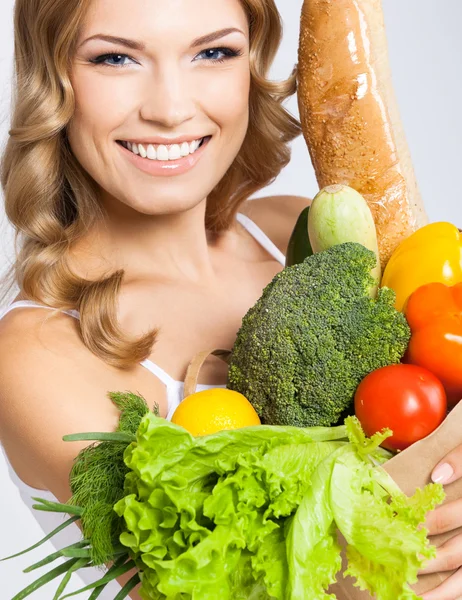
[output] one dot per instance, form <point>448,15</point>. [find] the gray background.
<point>425,48</point>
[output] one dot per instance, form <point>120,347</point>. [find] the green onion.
<point>116,436</point>
<point>45,539</point>
<point>80,564</point>
<point>131,583</point>
<point>59,554</point>
<point>106,579</point>
<point>97,591</point>
<point>45,579</point>
<point>57,507</point>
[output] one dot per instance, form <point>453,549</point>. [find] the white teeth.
<point>152,154</point>
<point>163,152</point>
<point>174,152</point>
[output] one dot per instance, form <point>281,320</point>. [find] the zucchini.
<point>299,246</point>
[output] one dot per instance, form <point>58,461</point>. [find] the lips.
<point>164,168</point>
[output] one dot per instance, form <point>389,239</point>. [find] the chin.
<point>164,202</point>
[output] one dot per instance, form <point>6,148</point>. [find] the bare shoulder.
<point>276,216</point>
<point>51,385</point>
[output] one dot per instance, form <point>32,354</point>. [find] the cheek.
<point>226,99</point>
<point>101,104</point>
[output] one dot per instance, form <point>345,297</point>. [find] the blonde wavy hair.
<point>51,201</point>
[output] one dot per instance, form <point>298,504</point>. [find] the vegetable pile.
<point>329,337</point>
<point>251,513</point>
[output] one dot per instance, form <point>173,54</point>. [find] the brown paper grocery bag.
<point>412,469</point>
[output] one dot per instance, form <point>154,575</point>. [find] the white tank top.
<point>49,521</point>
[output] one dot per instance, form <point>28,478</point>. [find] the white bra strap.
<point>32,304</point>
<point>160,373</point>
<point>261,237</point>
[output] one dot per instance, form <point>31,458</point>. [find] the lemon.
<point>214,410</point>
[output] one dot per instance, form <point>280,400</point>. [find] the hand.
<point>447,518</point>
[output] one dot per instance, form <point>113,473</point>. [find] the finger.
<point>451,589</point>
<point>445,518</point>
<point>450,468</point>
<point>448,557</point>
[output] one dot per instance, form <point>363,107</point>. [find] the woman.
<point>153,256</point>
<point>127,176</point>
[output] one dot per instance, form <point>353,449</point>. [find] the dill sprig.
<point>97,480</point>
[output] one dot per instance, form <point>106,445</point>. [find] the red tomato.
<point>408,399</point>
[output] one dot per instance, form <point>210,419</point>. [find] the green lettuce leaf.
<point>312,547</point>
<point>380,524</point>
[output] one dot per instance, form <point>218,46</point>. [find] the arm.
<point>50,388</point>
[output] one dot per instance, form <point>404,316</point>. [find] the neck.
<point>168,246</point>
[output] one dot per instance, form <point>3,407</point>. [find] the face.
<point>142,111</point>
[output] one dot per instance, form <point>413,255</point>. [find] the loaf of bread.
<point>350,117</point>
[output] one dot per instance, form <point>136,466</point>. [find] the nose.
<point>169,100</point>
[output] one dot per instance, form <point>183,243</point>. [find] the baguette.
<point>350,117</point>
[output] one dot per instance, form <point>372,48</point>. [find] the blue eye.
<point>227,53</point>
<point>101,60</point>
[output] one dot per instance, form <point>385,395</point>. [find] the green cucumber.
<point>340,214</point>
<point>299,244</point>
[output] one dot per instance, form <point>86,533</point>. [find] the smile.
<point>164,160</point>
<point>163,152</point>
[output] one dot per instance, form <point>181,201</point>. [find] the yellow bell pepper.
<point>432,253</point>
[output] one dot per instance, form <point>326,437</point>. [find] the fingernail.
<point>442,473</point>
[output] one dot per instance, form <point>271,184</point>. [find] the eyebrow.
<point>134,45</point>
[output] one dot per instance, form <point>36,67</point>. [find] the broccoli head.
<point>314,334</point>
